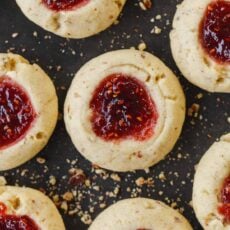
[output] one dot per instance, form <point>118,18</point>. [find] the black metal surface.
<point>135,26</point>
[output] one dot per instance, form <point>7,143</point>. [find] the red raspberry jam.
<point>215,31</point>
<point>16,112</point>
<point>62,5</point>
<point>224,208</point>
<point>122,108</point>
<point>13,222</point>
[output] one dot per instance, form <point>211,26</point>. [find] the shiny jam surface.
<point>122,108</point>
<point>215,31</point>
<point>62,5</point>
<point>16,112</point>
<point>224,208</point>
<point>13,222</point>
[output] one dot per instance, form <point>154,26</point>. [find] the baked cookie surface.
<point>200,43</point>
<point>211,189</point>
<point>140,213</point>
<point>124,110</point>
<point>72,19</point>
<point>28,112</point>
<point>29,209</point>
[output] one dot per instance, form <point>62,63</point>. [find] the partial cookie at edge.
<point>140,213</point>
<point>32,203</point>
<point>94,17</point>
<point>42,94</point>
<point>212,169</point>
<point>188,54</point>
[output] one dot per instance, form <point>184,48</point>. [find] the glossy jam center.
<point>59,5</point>
<point>13,222</point>
<point>122,108</point>
<point>215,31</point>
<point>224,208</point>
<point>16,112</point>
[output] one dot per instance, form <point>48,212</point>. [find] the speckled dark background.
<point>198,133</point>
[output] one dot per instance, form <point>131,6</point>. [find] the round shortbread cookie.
<point>131,124</point>
<point>72,19</point>
<point>28,110</point>
<point>213,169</point>
<point>140,214</point>
<point>200,43</point>
<point>29,209</point>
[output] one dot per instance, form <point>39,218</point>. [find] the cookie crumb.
<point>194,110</point>
<point>228,120</point>
<point>162,176</point>
<point>115,177</point>
<point>86,219</point>
<point>52,180</point>
<point>156,30</point>
<point>142,46</point>
<point>77,177</point>
<point>14,35</point>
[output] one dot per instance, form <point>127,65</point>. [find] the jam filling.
<point>16,112</point>
<point>122,108</point>
<point>62,5</point>
<point>224,208</point>
<point>13,222</point>
<point>215,31</point>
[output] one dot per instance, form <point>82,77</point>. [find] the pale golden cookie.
<point>125,151</point>
<point>21,202</point>
<point>28,110</point>
<point>211,172</point>
<point>140,213</point>
<point>83,20</point>
<point>194,61</point>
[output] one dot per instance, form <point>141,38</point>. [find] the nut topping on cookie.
<point>215,31</point>
<point>15,222</point>
<point>122,108</point>
<point>59,5</point>
<point>16,112</point>
<point>224,209</point>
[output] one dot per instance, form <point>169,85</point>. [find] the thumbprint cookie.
<point>200,43</point>
<point>72,18</point>
<point>140,214</point>
<point>27,209</point>
<point>211,189</point>
<point>124,110</point>
<point>28,110</point>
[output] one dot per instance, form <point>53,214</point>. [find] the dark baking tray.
<point>50,51</point>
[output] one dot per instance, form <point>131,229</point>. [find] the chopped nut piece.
<point>68,196</point>
<point>115,177</point>
<point>77,177</point>
<point>162,176</point>
<point>140,181</point>
<point>193,110</point>
<point>40,160</point>
<point>64,206</point>
<point>86,219</point>
<point>52,180</point>
<point>145,4</point>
